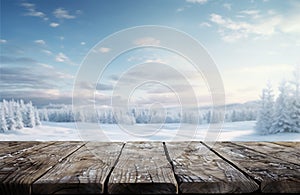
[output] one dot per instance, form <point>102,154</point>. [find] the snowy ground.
<point>237,131</point>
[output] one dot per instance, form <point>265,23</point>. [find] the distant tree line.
<point>64,113</point>
<point>17,115</point>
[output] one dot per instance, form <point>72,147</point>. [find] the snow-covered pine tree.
<point>295,101</point>
<point>10,116</point>
<point>3,126</point>
<point>282,117</point>
<point>43,114</point>
<point>23,110</point>
<point>30,116</point>
<point>37,118</point>
<point>265,115</point>
<point>18,116</point>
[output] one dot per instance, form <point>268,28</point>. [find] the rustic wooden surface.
<point>16,151</point>
<point>199,170</point>
<point>148,167</point>
<point>142,168</point>
<point>273,175</point>
<point>285,153</point>
<point>83,172</point>
<point>290,144</point>
<point>17,176</point>
<point>14,146</point>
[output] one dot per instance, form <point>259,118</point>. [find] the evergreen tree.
<point>10,118</point>
<point>282,117</point>
<point>265,115</point>
<point>29,116</point>
<point>37,118</point>
<point>18,116</point>
<point>295,101</point>
<point>3,125</point>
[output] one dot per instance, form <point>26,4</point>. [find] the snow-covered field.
<point>235,131</point>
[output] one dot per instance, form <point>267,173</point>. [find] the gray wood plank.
<point>18,151</point>
<point>142,169</point>
<point>274,175</point>
<point>199,170</point>
<point>289,144</point>
<point>285,153</point>
<point>8,147</point>
<point>85,171</point>
<point>17,176</point>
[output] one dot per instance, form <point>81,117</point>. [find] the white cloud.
<point>250,12</point>
<point>31,11</point>
<point>28,5</point>
<point>3,41</point>
<point>233,30</point>
<point>205,24</point>
<point>47,52</point>
<point>104,49</point>
<point>35,13</point>
<point>61,57</point>
<point>82,43</point>
<point>46,66</point>
<point>54,24</point>
<point>61,38</point>
<point>62,14</point>
<point>196,1</point>
<point>147,41</point>
<point>227,6</point>
<point>181,9</point>
<point>263,26</point>
<point>217,19</point>
<point>40,42</point>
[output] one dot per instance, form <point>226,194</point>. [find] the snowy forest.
<point>64,113</point>
<point>282,114</point>
<point>17,115</point>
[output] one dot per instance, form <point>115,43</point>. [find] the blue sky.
<point>44,42</point>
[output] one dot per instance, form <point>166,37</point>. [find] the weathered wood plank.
<point>85,171</point>
<point>274,175</point>
<point>13,155</point>
<point>289,144</point>
<point>11,147</point>
<point>289,154</point>
<point>142,169</point>
<point>17,176</point>
<point>199,170</point>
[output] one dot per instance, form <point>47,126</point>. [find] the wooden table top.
<point>149,167</point>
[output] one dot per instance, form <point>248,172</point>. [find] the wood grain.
<point>199,170</point>
<point>85,171</point>
<point>274,175</point>
<point>17,176</point>
<point>11,147</point>
<point>145,167</point>
<point>289,154</point>
<point>17,152</point>
<point>142,169</point>
<point>295,145</point>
